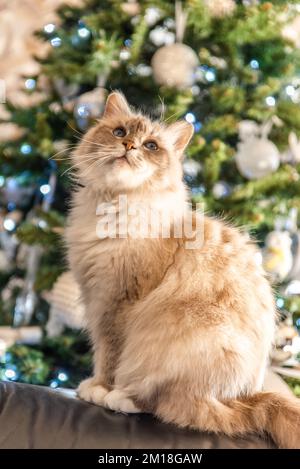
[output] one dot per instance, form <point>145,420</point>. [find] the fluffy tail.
<point>263,412</point>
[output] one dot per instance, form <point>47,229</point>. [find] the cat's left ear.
<point>116,105</point>
<point>181,133</point>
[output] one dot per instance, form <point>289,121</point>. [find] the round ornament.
<point>89,106</point>
<point>66,309</point>
<point>257,158</point>
<point>175,66</point>
<point>191,168</point>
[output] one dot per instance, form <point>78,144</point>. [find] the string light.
<point>55,42</point>
<point>190,118</point>
<point>9,224</point>
<point>254,64</point>
<point>270,100</point>
<point>25,148</point>
<point>45,189</point>
<point>30,84</point>
<point>49,28</point>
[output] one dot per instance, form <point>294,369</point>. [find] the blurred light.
<point>198,190</point>
<point>197,126</point>
<point>280,302</point>
<point>25,148</point>
<point>54,384</point>
<point>210,75</point>
<point>45,189</point>
<point>30,84</point>
<point>84,32</point>
<point>270,100</point>
<point>62,376</point>
<point>195,90</point>
<point>42,224</point>
<point>11,206</point>
<point>293,288</point>
<point>2,180</point>
<point>9,224</point>
<point>128,42</point>
<point>190,117</point>
<point>254,64</point>
<point>298,322</point>
<point>10,374</point>
<point>290,90</point>
<point>143,70</point>
<point>55,42</point>
<point>124,54</point>
<point>83,110</point>
<point>49,28</point>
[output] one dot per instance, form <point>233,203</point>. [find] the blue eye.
<point>150,145</point>
<point>119,132</point>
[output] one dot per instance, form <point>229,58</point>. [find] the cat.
<point>184,334</point>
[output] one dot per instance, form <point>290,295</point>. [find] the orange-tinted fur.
<point>182,333</point>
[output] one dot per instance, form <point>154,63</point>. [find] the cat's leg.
<point>95,388</point>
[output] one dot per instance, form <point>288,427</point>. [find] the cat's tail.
<point>264,412</point>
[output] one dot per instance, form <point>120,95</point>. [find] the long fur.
<point>183,334</point>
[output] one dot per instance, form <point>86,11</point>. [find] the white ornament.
<point>89,106</point>
<point>191,168</point>
<point>66,310</point>
<point>256,156</point>
<point>221,189</point>
<point>152,15</point>
<point>277,255</point>
<point>174,66</point>
<point>160,36</point>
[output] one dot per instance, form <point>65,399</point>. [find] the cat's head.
<point>126,150</point>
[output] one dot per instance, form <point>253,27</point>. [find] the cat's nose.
<point>129,144</point>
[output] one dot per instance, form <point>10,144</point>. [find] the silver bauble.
<point>174,66</point>
<point>257,157</point>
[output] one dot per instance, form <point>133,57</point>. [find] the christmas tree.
<point>228,67</point>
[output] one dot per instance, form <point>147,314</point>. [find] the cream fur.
<point>185,334</point>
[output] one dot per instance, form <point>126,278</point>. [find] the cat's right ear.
<point>116,105</point>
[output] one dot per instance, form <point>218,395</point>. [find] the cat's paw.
<point>90,391</point>
<point>119,402</point>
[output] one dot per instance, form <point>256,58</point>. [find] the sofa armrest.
<point>38,417</point>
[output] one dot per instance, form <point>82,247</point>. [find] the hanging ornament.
<point>66,309</point>
<point>89,106</point>
<point>27,299</point>
<point>175,65</point>
<point>220,8</point>
<point>286,342</point>
<point>221,189</point>
<point>18,191</point>
<point>292,154</point>
<point>277,255</point>
<point>257,156</point>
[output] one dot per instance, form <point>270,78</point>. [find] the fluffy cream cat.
<point>182,333</point>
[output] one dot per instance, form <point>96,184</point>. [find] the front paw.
<point>119,402</point>
<point>89,390</point>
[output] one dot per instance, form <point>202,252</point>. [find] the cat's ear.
<point>116,105</point>
<point>181,133</point>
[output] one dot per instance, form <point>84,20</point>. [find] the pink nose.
<point>128,144</point>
